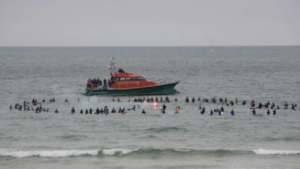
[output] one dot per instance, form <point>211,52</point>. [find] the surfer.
<point>78,100</point>
<point>253,112</point>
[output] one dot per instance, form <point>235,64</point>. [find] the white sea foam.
<point>46,153</point>
<point>270,152</point>
<point>117,151</point>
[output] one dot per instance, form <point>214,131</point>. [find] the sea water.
<point>151,140</point>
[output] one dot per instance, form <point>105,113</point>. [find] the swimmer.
<point>187,100</point>
<point>177,110</point>
<point>232,112</point>
<point>73,110</point>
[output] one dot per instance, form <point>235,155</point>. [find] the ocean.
<point>152,140</point>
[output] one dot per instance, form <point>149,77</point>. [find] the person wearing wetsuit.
<point>73,110</point>
<point>187,99</point>
<point>253,112</point>
<point>164,107</point>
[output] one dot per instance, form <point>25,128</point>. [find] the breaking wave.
<point>139,152</point>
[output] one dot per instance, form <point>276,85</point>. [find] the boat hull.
<point>167,88</point>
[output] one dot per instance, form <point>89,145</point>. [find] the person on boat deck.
<point>274,112</point>
<point>113,110</point>
<point>120,70</point>
<point>56,111</point>
<point>97,111</point>
<point>110,82</point>
<point>10,107</point>
<point>244,102</point>
<point>268,112</point>
<point>104,82</point>
<point>81,111</point>
<point>133,108</point>
<point>278,107</point>
<point>193,100</point>
<point>143,112</point>
<point>176,99</point>
<point>211,112</point>
<point>91,111</point>
<point>66,100</point>
<point>86,111</point>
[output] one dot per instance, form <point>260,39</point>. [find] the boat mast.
<point>112,65</point>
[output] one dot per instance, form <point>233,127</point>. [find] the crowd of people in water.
<point>36,106</point>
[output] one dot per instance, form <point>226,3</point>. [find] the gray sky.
<point>149,22</point>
